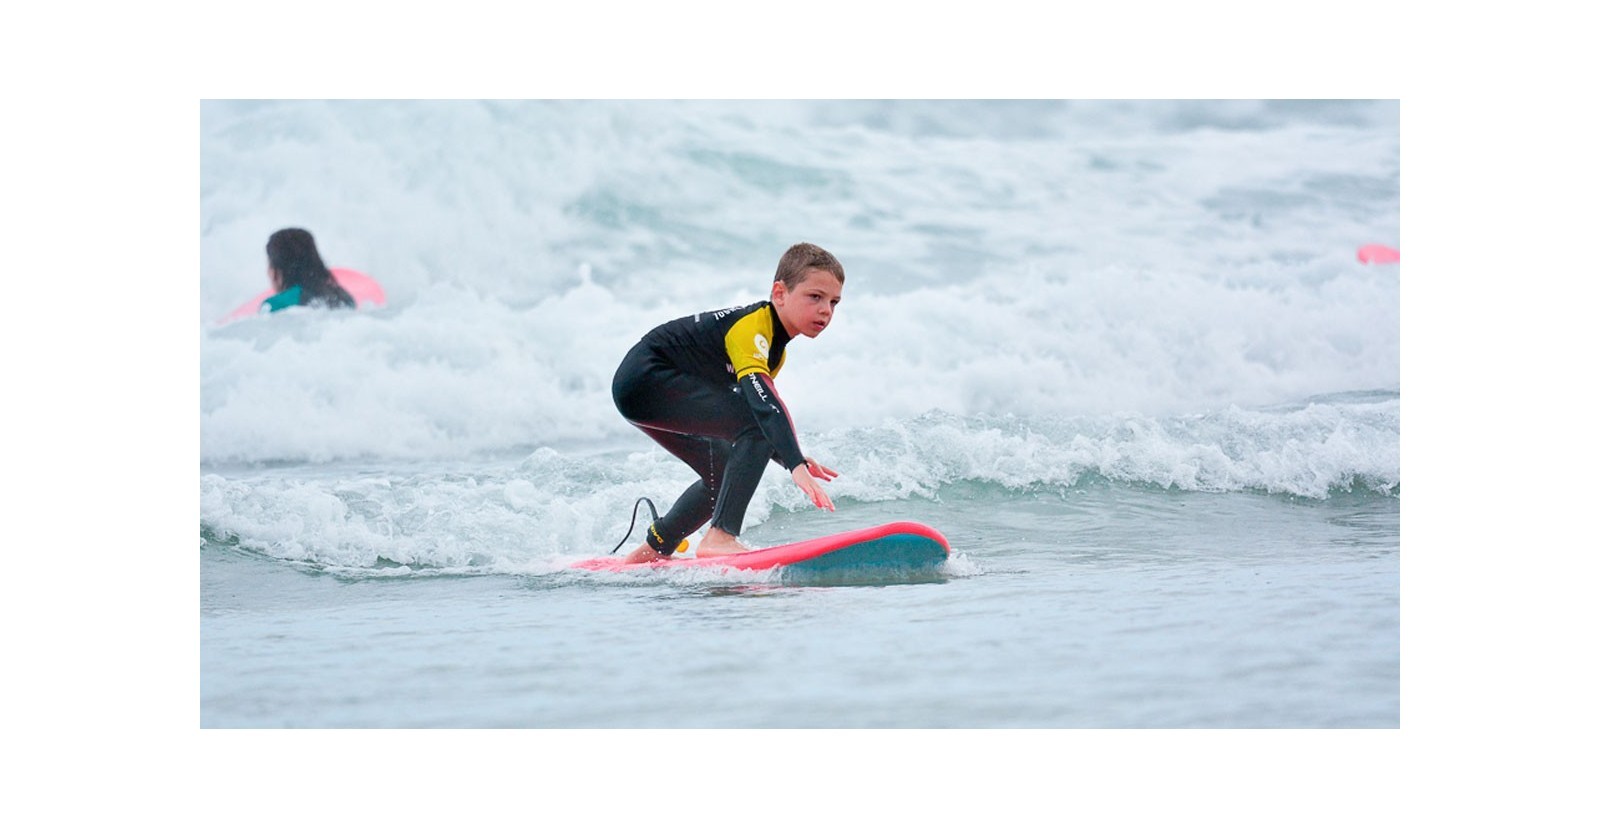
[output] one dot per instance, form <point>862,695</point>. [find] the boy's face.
<point>809,307</point>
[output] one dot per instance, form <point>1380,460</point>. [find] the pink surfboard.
<point>903,548</point>
<point>363,288</point>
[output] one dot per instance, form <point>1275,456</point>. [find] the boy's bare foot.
<point>643,554</point>
<point>716,543</point>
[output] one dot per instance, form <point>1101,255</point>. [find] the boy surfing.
<point>702,387</point>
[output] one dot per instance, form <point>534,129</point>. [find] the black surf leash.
<point>654,518</point>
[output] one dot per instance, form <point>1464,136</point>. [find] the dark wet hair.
<point>801,258</point>
<point>293,253</point>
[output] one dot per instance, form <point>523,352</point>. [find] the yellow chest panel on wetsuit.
<point>749,345</point>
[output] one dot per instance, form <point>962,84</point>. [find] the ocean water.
<point>1122,354</point>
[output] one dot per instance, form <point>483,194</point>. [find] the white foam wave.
<point>553,507</point>
<point>457,373</point>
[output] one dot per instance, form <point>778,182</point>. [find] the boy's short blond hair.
<point>803,257</point>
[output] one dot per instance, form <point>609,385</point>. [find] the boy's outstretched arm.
<point>773,418</point>
<point>762,395</point>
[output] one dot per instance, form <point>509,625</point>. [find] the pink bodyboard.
<point>363,288</point>
<point>1378,254</point>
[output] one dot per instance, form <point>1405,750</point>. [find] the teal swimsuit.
<point>279,301</point>
<point>336,297</point>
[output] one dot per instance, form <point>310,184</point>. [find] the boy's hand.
<point>820,471</point>
<point>811,487</point>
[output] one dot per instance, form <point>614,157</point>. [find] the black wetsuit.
<point>701,386</point>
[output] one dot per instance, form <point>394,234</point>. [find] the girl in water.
<point>298,274</point>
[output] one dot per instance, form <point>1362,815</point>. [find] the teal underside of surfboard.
<point>896,558</point>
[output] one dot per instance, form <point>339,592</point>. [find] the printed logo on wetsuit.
<point>762,346</point>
